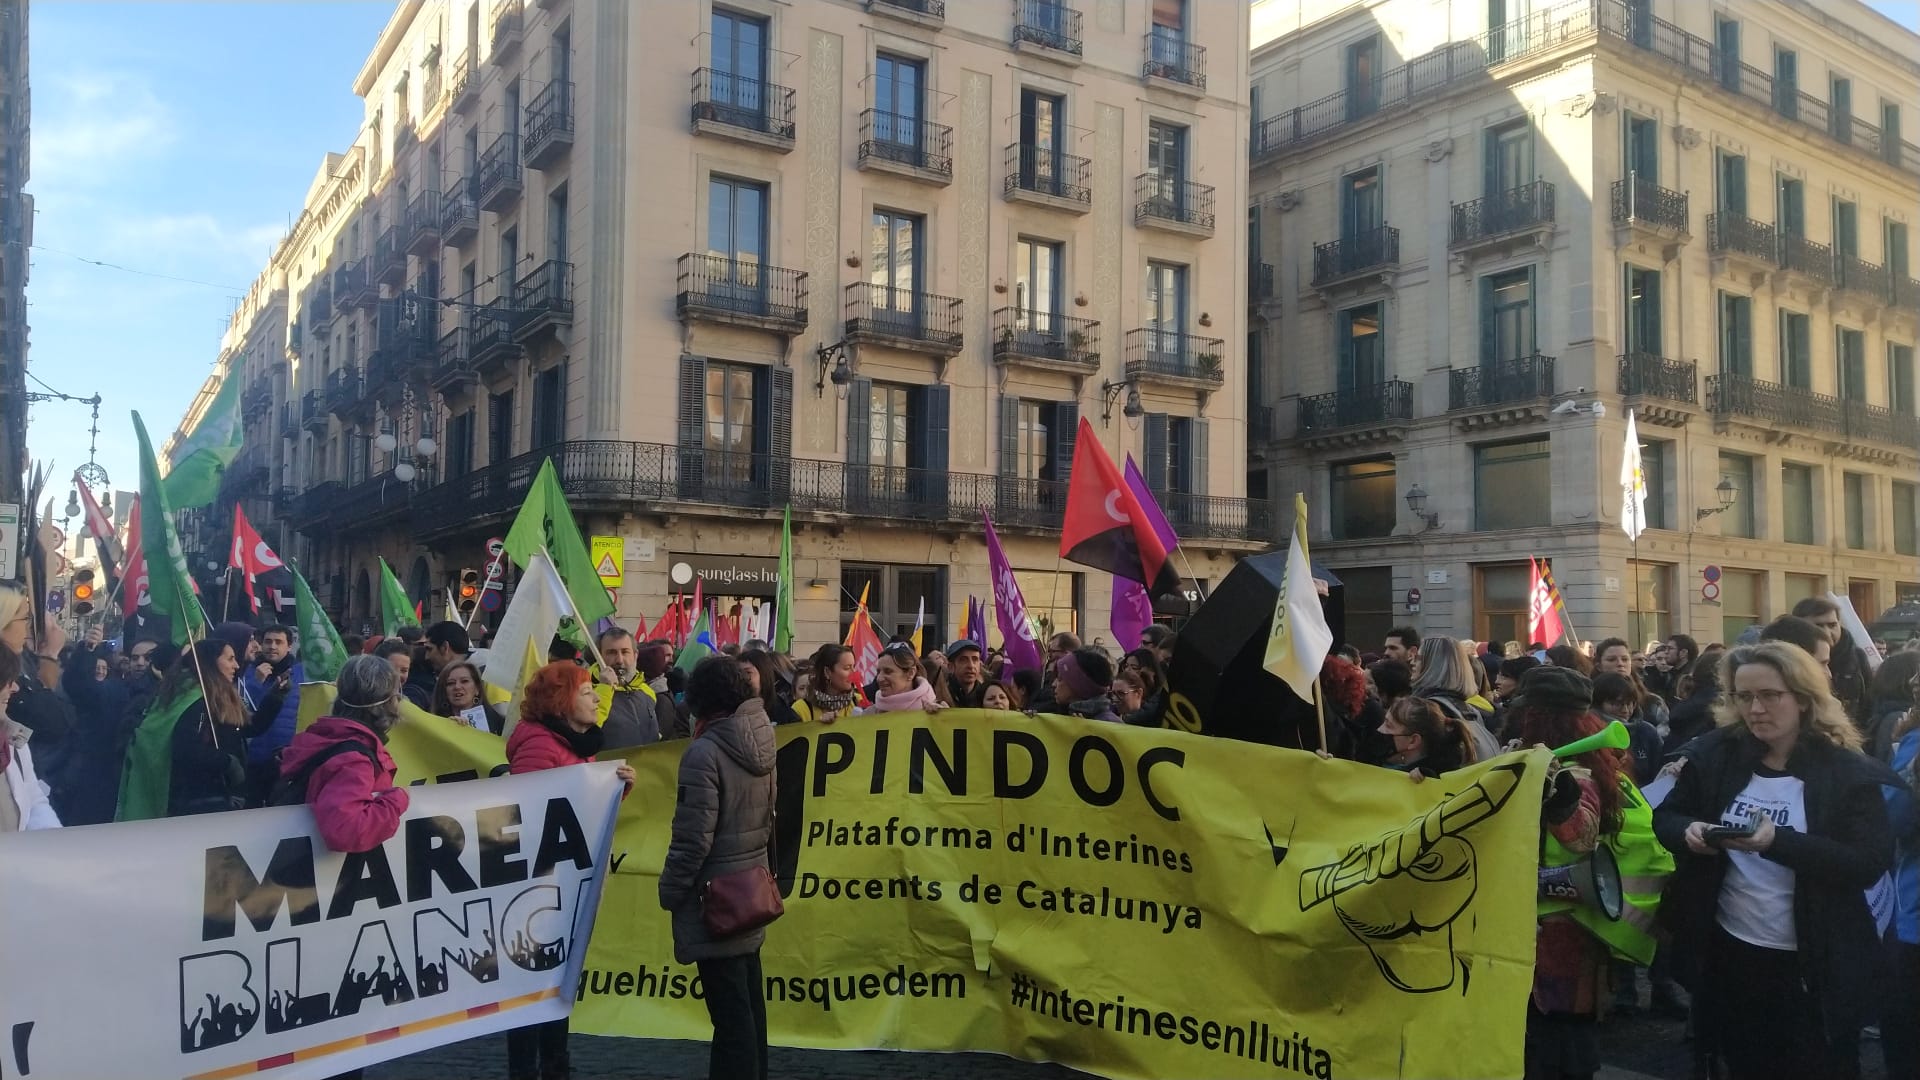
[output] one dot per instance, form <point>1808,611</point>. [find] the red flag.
<point>1105,527</point>
<point>865,643</point>
<point>640,628</point>
<point>250,555</point>
<point>1543,615</point>
<point>101,526</point>
<point>133,585</point>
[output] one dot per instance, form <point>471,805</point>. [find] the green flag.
<point>783,603</point>
<point>202,457</point>
<point>395,611</point>
<point>546,523</point>
<point>169,583</point>
<point>321,652</point>
<point>699,644</point>
<point>147,776</point>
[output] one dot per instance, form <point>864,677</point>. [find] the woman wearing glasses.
<point>1779,830</point>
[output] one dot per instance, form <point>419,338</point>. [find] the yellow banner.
<point>1132,902</point>
<point>425,748</point>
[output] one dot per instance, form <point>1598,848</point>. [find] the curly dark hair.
<point>1345,684</point>
<point>716,687</point>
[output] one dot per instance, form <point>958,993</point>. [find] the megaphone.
<point>1593,881</point>
<point>1612,737</point>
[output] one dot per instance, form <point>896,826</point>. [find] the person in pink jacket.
<point>343,758</point>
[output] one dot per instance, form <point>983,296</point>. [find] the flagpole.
<point>875,623</point>
<point>226,594</point>
<point>585,630</point>
<point>1320,713</point>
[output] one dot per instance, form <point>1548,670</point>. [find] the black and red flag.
<point>254,559</point>
<point>1105,526</point>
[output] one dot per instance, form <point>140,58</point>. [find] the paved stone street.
<point>1635,1048</point>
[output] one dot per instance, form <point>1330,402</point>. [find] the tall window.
<point>1890,132</point>
<point>1037,285</point>
<point>1738,519</point>
<point>1791,212</point>
<point>729,425</point>
<point>557,224</point>
<point>887,428</point>
<point>1796,503</point>
<point>1362,209</point>
<point>1742,602</point>
<point>510,105</point>
<point>1643,311</point>
<point>1369,602</point>
<point>1036,453</point>
<point>1730,183</point>
<point>1894,249</point>
<point>1850,354</point>
<point>1900,378</point>
<point>1726,47</point>
<point>1655,455</point>
<point>1846,229</point>
<point>509,258</point>
<point>1176,460</point>
<point>899,99</point>
<point>500,420</point>
<point>459,444</point>
<point>1736,335</point>
<point>1649,604</point>
<point>471,146</point>
<point>550,407</point>
<point>1363,77</point>
<point>894,267</point>
<point>1500,603</point>
<point>1906,518</point>
<point>1643,148</point>
<point>1506,316</point>
<point>1165,307</point>
<point>1043,128</point>
<point>1169,33</point>
<point>1840,108</point>
<point>1509,162</point>
<point>1786,82</point>
<point>1363,348</point>
<point>1167,164</point>
<point>1796,350</point>
<point>1363,499</point>
<point>736,237</point>
<point>739,62</point>
<point>1856,492</point>
<point>1512,485</point>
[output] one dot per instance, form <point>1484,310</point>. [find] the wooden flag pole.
<point>585,630</point>
<point>1320,712</point>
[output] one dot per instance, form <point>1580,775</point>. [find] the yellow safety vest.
<point>1644,866</point>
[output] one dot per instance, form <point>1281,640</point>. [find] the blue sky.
<point>179,139</point>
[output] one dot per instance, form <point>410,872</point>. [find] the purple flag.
<point>977,621</point>
<point>1151,507</point>
<point>1132,611</point>
<point>1010,608</point>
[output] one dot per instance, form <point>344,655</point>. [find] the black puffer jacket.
<point>722,823</point>
<point>1844,849</point>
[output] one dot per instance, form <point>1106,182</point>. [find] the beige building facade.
<point>872,261</point>
<point>1485,232</point>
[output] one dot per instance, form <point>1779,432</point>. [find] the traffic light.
<point>469,590</point>
<point>83,591</point>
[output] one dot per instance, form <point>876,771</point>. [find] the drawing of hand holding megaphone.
<point>1400,893</point>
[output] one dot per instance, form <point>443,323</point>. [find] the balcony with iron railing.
<point>1049,25</point>
<point>924,12</point>
<point>1046,340</point>
<point>1639,203</point>
<point>1371,252</point>
<point>1879,425</point>
<point>549,125</point>
<point>345,388</point>
<point>741,292</point>
<point>500,180</point>
<point>1742,237</point>
<point>1524,212</point>
<point>1165,202</point>
<point>1176,358</point>
<point>904,318</point>
<point>906,146</point>
<point>1799,255</point>
<point>1383,405</point>
<point>509,23</point>
<point>492,333</point>
<point>405,335</point>
<point>390,256</point>
<point>463,87</point>
<point>619,475</point>
<point>1260,282</point>
<point>1767,404</point>
<point>423,224</point>
<point>1044,176</point>
<point>1904,294</point>
<point>311,507</point>
<point>256,401</point>
<point>460,212</point>
<point>543,300</point>
<point>353,286</point>
<point>745,110</point>
<point>453,359</point>
<point>1859,278</point>
<point>1647,375</point>
<point>1174,61</point>
<point>313,411</point>
<point>1518,381</point>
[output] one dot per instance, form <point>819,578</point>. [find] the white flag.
<point>1298,643</point>
<point>526,630</point>
<point>1633,485</point>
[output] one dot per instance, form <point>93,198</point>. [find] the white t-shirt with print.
<point>1756,896</point>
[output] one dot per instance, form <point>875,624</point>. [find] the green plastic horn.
<point>1611,737</point>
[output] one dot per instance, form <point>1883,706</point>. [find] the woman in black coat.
<point>210,738</point>
<point>1779,936</point>
<point>1692,716</point>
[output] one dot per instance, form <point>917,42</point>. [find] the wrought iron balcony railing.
<point>1357,406</point>
<point>1879,424</point>
<point>1155,353</point>
<point>1639,200</point>
<point>903,316</point>
<point>1044,170</point>
<point>896,139</point>
<point>1904,292</point>
<point>1019,334</point>
<point>1502,214</point>
<point>1049,24</point>
<point>1856,275</point>
<point>1648,375</point>
<point>499,181</point>
<point>543,295</point>
<point>1774,403</point>
<point>1737,235</point>
<point>390,255</point>
<point>1362,253</point>
<point>1158,198</point>
<point>1802,256</point>
<point>749,105</point>
<point>549,125</point>
<point>1503,382</point>
<point>423,224</point>
<point>1172,57</point>
<point>460,211</point>
<point>453,358</point>
<point>734,290</point>
<point>463,86</point>
<point>509,21</point>
<point>1260,281</point>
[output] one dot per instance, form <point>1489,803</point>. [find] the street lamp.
<point>1417,502</point>
<point>1726,492</point>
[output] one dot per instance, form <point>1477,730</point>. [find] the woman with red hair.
<point>1354,713</point>
<point>559,726</point>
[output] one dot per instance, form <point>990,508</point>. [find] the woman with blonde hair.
<point>1446,678</point>
<point>1779,829</point>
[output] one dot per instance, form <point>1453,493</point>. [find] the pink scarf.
<point>916,699</point>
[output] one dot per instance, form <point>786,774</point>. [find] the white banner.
<point>236,945</point>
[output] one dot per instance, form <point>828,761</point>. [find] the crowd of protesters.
<point>1784,767</point>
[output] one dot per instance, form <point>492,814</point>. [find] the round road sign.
<point>490,599</point>
<point>1710,591</point>
<point>1710,572</point>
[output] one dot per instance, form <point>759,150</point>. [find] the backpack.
<point>291,790</point>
